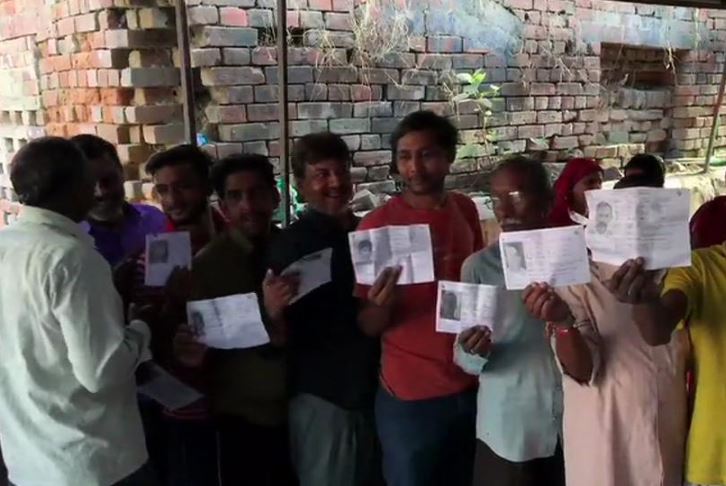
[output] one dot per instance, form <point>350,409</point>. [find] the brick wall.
<point>600,78</point>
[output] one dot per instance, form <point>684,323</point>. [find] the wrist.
<point>567,323</point>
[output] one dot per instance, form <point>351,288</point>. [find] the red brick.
<point>233,16</point>
<point>226,113</point>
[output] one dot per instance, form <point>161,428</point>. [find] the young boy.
<point>247,386</point>
<point>118,227</point>
<point>426,405</point>
<point>333,365</point>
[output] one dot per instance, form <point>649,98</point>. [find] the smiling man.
<point>118,228</point>
<point>333,365</point>
<point>426,405</point>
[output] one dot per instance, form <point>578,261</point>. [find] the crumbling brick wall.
<point>594,77</point>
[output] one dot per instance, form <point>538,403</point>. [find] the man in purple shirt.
<point>118,227</point>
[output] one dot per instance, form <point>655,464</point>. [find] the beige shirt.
<point>627,427</point>
<point>68,410</point>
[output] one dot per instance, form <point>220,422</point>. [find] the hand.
<point>124,274</point>
<point>187,350</point>
<point>476,340</point>
<point>544,304</point>
<point>146,313</point>
<point>278,292</point>
<point>178,288</point>
<point>383,291</point>
<point>632,284</point>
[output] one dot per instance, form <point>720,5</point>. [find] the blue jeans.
<point>427,442</point>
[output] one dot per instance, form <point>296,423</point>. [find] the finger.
<point>476,335</point>
<point>627,279</point>
<point>636,287</point>
<point>538,304</point>
<point>618,276</point>
<point>269,277</point>
<point>528,291</point>
<point>534,294</point>
<point>379,283</point>
<point>466,334</point>
<point>483,345</point>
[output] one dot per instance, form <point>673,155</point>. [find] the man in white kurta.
<point>68,412</point>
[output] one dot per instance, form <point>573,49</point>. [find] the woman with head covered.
<point>578,176</point>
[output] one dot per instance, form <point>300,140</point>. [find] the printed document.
<point>645,222</point>
<point>164,253</point>
<point>156,383</point>
<point>313,270</point>
<point>406,246</point>
<point>460,306</point>
<point>232,322</point>
<point>557,256</point>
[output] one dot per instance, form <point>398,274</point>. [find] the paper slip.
<point>406,246</point>
<point>164,253</point>
<point>645,222</point>
<point>460,306</point>
<point>557,256</point>
<point>314,271</point>
<point>232,322</point>
<point>156,383</point>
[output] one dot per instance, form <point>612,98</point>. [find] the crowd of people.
<point>584,385</point>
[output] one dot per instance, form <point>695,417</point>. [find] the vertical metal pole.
<point>282,99</point>
<point>716,116</point>
<point>185,68</point>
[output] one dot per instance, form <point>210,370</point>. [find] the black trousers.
<point>253,454</point>
<point>492,470</point>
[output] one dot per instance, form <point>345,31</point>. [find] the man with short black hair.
<point>68,411</point>
<point>118,227</point>
<point>426,405</point>
<point>649,168</point>
<point>333,365</point>
<point>247,386</point>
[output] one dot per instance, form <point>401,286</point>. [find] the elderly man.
<point>68,410</point>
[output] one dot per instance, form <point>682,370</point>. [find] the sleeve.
<point>472,364</point>
<point>687,280</point>
<point>585,326</point>
<point>101,350</point>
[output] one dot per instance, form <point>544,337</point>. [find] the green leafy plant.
<point>474,89</point>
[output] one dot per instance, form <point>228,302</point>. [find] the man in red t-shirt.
<point>426,406</point>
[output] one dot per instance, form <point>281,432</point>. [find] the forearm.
<point>374,320</point>
<point>574,354</point>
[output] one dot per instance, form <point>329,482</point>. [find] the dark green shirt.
<point>243,382</point>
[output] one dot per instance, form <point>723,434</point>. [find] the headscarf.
<point>575,170</point>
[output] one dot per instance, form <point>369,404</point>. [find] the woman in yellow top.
<point>696,293</point>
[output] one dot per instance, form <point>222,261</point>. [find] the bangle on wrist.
<point>568,323</point>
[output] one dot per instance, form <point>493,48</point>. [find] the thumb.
<point>268,277</point>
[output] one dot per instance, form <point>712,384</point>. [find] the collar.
<point>55,220</point>
<point>327,222</point>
